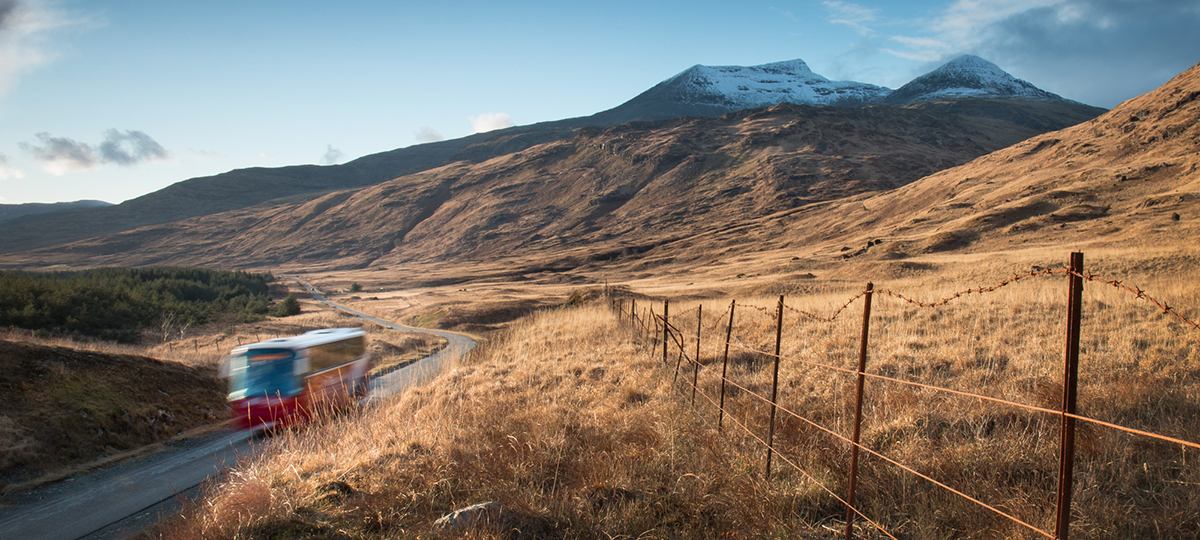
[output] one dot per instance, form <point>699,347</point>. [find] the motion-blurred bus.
<point>287,380</point>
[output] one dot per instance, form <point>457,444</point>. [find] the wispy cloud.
<point>63,154</point>
<point>921,49</point>
<point>427,134</point>
<point>1096,51</point>
<point>207,154</point>
<point>785,13</point>
<point>332,155</point>
<point>26,27</point>
<point>853,15</point>
<point>9,173</point>
<point>491,121</point>
<point>130,148</point>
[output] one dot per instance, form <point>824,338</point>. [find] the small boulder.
<point>489,515</point>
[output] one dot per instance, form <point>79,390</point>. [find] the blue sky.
<point>113,99</point>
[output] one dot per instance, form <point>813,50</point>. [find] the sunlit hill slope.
<point>604,194</point>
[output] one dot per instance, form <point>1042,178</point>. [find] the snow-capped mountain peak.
<point>967,76</point>
<point>791,81</point>
<point>715,90</point>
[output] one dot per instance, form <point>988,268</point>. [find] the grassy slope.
<point>571,422</point>
<point>601,192</point>
<point>65,406</point>
<point>73,404</point>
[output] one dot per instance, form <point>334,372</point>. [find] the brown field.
<point>570,419</point>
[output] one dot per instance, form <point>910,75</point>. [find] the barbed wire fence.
<point>665,334</point>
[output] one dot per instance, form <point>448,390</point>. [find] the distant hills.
<point>14,211</point>
<point>869,138</point>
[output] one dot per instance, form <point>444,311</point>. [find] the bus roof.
<point>303,341</point>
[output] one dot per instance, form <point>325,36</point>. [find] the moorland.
<point>569,417</point>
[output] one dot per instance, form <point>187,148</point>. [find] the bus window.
<point>261,372</point>
<point>335,354</point>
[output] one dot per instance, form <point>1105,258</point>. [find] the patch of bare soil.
<point>63,407</point>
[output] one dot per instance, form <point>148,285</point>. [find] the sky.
<point>113,99</point>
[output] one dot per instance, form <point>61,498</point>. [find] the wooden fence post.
<point>1066,463</point>
<point>725,364</point>
<point>774,386</point>
<point>858,401</point>
<point>666,328</point>
<point>696,365</point>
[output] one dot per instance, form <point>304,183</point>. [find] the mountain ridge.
<point>14,211</point>
<point>604,192</point>
<point>244,188</point>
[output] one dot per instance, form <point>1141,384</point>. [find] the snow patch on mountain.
<point>967,76</point>
<point>792,81</point>
<point>716,90</point>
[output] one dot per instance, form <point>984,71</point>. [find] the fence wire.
<point>678,336</point>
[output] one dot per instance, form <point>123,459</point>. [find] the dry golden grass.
<point>43,437</point>
<point>1139,369</point>
<point>572,420</point>
<point>563,420</point>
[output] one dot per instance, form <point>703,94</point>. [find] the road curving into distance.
<point>118,501</point>
<point>457,345</point>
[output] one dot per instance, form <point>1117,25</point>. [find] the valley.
<point>568,416</point>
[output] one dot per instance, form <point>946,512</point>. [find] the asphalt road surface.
<point>118,501</point>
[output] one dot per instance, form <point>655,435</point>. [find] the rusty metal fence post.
<point>774,387</point>
<point>1066,464</point>
<point>725,364</point>
<point>858,402</point>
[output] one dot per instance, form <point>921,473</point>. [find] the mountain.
<point>241,188</point>
<point>966,77</point>
<point>698,91</point>
<point>14,211</point>
<point>1128,180</point>
<point>600,194</point>
<point>716,90</point>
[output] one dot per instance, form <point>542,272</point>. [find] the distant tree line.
<point>120,303</point>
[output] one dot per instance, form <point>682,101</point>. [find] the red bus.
<point>286,380</point>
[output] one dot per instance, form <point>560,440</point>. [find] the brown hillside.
<point>1130,176</point>
<point>603,194</point>
<point>65,406</point>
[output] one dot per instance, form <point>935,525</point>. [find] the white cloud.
<point>130,148</point>
<point>1096,51</point>
<point>427,135</point>
<point>63,154</point>
<point>852,15</point>
<point>491,121</point>
<point>25,29</point>
<point>921,49</point>
<point>332,155</point>
<point>965,19</point>
<point>9,173</point>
